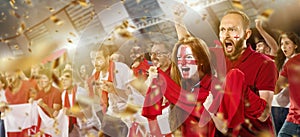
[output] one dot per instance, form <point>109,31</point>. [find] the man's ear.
<point>248,33</point>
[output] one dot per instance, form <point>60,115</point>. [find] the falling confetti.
<point>12,4</point>
<point>123,1</point>
<point>83,3</point>
<point>266,14</point>
<point>16,46</point>
<point>122,30</point>
<point>28,2</point>
<point>130,110</point>
<point>190,97</point>
<point>69,40</point>
<point>51,9</point>
<point>14,13</point>
<point>237,4</point>
<point>75,109</point>
<point>21,28</point>
<point>72,34</point>
<point>56,20</point>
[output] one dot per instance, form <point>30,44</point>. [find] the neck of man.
<point>242,50</point>
<point>165,67</point>
<point>69,89</point>
<point>47,88</point>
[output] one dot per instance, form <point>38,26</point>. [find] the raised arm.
<point>178,12</point>
<point>267,37</point>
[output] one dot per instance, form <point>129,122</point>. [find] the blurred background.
<point>33,31</point>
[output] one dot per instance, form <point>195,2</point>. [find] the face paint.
<point>236,36</point>
<point>186,62</point>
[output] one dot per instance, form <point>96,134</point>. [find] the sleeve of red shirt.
<point>236,95</point>
<point>267,76</point>
<point>165,86</point>
<point>284,71</point>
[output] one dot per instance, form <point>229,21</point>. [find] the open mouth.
<point>185,69</point>
<point>229,46</point>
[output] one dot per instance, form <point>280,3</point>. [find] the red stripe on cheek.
<point>190,62</point>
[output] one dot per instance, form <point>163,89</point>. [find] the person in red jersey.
<point>288,76</point>
<point>49,97</point>
<point>258,74</point>
<point>17,91</point>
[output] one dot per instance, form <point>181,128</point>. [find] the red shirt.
<point>260,74</point>
<point>53,96</point>
<point>291,70</point>
<point>20,97</point>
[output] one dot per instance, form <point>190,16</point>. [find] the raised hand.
<point>178,12</point>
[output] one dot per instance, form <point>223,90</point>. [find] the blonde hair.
<point>246,20</point>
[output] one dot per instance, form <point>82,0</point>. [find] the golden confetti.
<point>198,106</point>
<point>69,40</point>
<point>123,1</point>
<point>72,34</point>
<point>218,87</point>
<point>237,4</point>
<point>14,13</point>
<point>57,131</point>
<point>265,134</point>
<point>267,13</point>
<point>6,41</point>
<point>21,28</point>
<point>16,46</point>
<point>28,2</point>
<point>130,110</point>
<point>92,14</point>
<point>12,4</point>
<point>190,97</point>
<point>56,20</point>
<point>51,9</point>
<point>124,33</point>
<point>83,3</point>
<point>75,109</point>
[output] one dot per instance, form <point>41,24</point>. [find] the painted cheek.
<point>187,62</point>
<point>191,62</point>
<point>181,62</point>
<point>237,36</point>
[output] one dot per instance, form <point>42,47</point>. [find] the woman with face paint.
<point>194,73</point>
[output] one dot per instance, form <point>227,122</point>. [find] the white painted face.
<point>186,62</point>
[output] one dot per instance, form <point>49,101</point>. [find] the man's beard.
<point>238,48</point>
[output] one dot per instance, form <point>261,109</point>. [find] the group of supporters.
<point>190,90</point>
